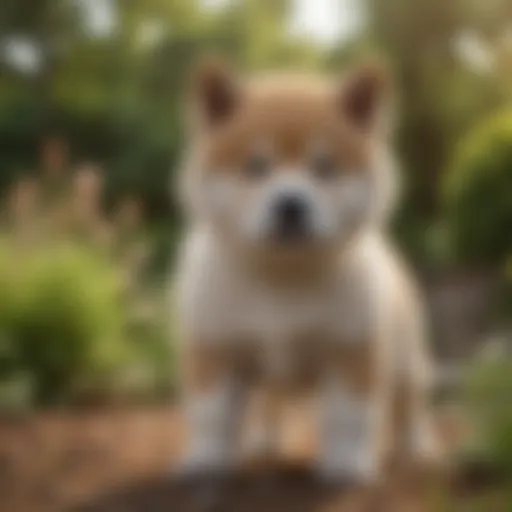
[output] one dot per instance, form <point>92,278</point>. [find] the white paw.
<point>212,427</point>
<point>199,464</point>
<point>348,464</point>
<point>348,439</point>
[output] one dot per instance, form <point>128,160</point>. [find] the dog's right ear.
<point>216,90</point>
<point>365,96</point>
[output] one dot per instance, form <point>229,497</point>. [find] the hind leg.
<point>424,445</point>
<point>417,430</point>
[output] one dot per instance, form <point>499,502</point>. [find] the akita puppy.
<point>287,279</point>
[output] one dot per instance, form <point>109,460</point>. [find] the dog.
<point>287,280</point>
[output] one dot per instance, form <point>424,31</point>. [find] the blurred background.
<point>90,134</point>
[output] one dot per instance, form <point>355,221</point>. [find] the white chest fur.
<point>220,303</point>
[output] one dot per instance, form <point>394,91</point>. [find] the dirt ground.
<point>120,460</point>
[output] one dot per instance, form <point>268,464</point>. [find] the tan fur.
<point>343,316</point>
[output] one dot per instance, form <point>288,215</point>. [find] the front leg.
<point>352,415</point>
<point>212,406</point>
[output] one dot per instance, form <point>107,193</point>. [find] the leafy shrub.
<point>73,278</point>
<point>9,303</point>
<point>67,321</point>
<point>71,331</point>
<point>477,192</point>
<point>488,398</point>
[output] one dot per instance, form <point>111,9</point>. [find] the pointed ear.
<point>215,89</point>
<point>364,96</point>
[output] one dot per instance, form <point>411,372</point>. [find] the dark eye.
<point>258,166</point>
<point>324,166</point>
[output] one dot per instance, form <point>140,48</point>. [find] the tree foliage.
<point>477,192</point>
<point>117,95</point>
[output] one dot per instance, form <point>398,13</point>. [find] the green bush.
<point>488,398</point>
<point>477,192</point>
<point>65,324</point>
<point>70,332</point>
<point>9,304</point>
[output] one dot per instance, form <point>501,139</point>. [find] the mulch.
<point>119,460</point>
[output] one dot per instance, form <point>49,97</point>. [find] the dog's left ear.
<point>216,90</point>
<point>364,97</point>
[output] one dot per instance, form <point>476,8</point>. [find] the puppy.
<point>286,278</point>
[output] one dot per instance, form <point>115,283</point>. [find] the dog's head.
<point>288,162</point>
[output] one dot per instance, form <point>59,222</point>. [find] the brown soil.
<point>120,460</point>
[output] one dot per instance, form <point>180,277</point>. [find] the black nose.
<point>291,214</point>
